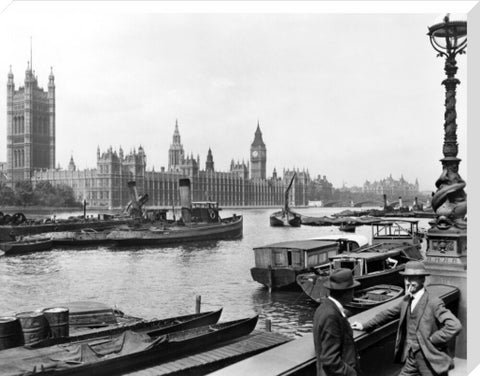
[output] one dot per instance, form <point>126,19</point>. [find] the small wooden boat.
<point>373,296</point>
<point>286,217</point>
<point>151,327</point>
<point>347,227</point>
<point>119,354</point>
<point>26,245</point>
<point>277,265</point>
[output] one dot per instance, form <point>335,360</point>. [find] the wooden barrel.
<point>10,332</point>
<point>34,326</point>
<point>58,321</point>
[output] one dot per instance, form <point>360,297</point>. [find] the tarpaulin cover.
<point>22,361</point>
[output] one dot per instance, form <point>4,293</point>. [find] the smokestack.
<point>385,201</point>
<point>185,200</point>
<point>415,202</point>
<point>400,203</point>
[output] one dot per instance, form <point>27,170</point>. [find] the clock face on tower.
<point>254,153</point>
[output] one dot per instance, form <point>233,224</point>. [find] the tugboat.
<point>199,221</point>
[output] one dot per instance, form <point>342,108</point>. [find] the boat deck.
<point>212,359</point>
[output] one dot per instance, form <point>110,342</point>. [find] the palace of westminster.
<point>31,156</point>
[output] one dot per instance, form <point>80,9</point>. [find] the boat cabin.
<point>205,211</point>
<point>377,258</point>
<point>301,254</point>
<point>396,231</point>
<point>364,263</point>
<point>155,214</point>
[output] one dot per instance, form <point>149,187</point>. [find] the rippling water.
<point>163,282</point>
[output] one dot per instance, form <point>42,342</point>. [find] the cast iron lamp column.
<point>449,39</point>
<point>446,256</point>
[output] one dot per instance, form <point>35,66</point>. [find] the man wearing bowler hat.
<point>424,329</point>
<point>332,334</point>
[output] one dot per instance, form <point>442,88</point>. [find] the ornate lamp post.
<point>447,237</point>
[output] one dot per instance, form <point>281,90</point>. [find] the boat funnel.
<point>400,202</point>
<point>185,199</point>
<point>385,203</point>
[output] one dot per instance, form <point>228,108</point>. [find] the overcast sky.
<point>349,96</point>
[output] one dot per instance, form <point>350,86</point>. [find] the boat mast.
<point>287,192</point>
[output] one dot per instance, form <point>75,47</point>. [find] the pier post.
<point>198,303</point>
<point>268,325</point>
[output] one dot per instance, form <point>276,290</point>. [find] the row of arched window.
<point>18,158</point>
<point>40,125</point>
<point>18,124</point>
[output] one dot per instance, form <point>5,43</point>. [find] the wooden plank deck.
<point>215,358</point>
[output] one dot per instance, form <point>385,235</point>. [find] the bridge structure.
<point>375,203</point>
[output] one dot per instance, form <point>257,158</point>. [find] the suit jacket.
<point>436,326</point>
<point>333,339</point>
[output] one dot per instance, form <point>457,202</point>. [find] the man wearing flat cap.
<point>424,329</point>
<point>332,334</point>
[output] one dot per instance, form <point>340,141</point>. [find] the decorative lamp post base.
<point>446,260</point>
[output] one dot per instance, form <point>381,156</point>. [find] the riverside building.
<point>243,185</point>
<point>31,157</point>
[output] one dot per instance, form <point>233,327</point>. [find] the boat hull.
<point>275,279</point>
<point>291,219</point>
<point>347,228</point>
<point>11,248</point>
<point>9,232</point>
<point>312,283</point>
<point>225,230</point>
<point>152,328</point>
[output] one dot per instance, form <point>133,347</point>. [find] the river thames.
<point>153,282</point>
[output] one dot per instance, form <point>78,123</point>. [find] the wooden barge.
<point>277,265</point>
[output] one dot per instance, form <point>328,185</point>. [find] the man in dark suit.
<point>332,334</point>
<point>424,330</point>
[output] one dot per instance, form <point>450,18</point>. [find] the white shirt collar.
<point>338,304</point>
<point>416,297</point>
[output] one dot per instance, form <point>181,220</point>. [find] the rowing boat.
<point>150,327</point>
<point>122,353</point>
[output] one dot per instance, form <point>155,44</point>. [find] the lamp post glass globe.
<point>450,35</point>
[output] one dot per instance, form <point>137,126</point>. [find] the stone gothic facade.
<point>30,126</point>
<point>31,157</point>
<point>106,185</point>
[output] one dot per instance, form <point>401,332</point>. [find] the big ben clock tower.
<point>258,156</point>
